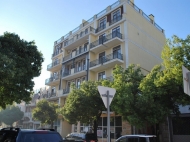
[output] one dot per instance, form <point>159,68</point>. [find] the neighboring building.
<point>28,122</point>
<point>120,34</point>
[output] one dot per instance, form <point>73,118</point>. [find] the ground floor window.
<point>181,125</point>
<point>115,127</point>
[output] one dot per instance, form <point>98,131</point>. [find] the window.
<point>116,32</point>
<point>66,43</point>
<point>116,14</point>
<point>102,38</point>
<point>102,23</point>
<point>81,33</point>
<point>101,75</point>
<point>102,58</point>
<point>86,31</point>
<point>123,140</point>
<point>80,49</point>
<point>84,64</point>
<point>85,46</point>
<point>132,140</point>
<point>79,66</point>
<point>83,79</point>
<point>117,52</point>
<point>78,83</point>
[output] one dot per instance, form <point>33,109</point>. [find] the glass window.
<point>79,66</point>
<point>84,64</point>
<point>85,46</point>
<point>118,121</point>
<point>116,14</point>
<point>78,83</point>
<point>66,43</point>
<point>81,34</point>
<point>80,49</point>
<point>132,139</point>
<point>102,23</point>
<point>116,32</point>
<point>102,38</point>
<point>101,75</point>
<point>123,140</point>
<point>117,52</point>
<point>142,139</point>
<point>101,57</point>
<point>86,31</point>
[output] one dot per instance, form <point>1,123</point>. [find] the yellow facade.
<point>121,34</point>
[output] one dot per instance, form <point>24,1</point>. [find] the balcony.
<point>74,73</point>
<point>56,65</point>
<point>106,62</point>
<point>64,92</point>
<point>115,20</point>
<point>75,54</point>
<point>110,78</point>
<point>52,96</point>
<point>52,80</point>
<point>100,28</point>
<point>57,53</point>
<point>106,42</point>
<point>79,39</point>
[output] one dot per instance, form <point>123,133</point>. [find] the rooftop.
<point>103,12</point>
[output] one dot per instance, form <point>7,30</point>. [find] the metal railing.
<point>105,39</point>
<point>107,58</point>
<point>76,69</point>
<point>79,36</point>
<point>110,78</point>
<point>100,28</point>
<point>57,62</point>
<point>51,79</point>
<point>114,20</point>
<point>78,52</point>
<point>145,16</point>
<point>65,91</point>
<point>52,94</point>
<point>56,53</point>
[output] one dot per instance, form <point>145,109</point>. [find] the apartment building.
<point>120,34</point>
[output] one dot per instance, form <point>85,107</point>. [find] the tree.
<point>126,101</point>
<point>46,112</point>
<point>84,104</point>
<point>20,62</point>
<point>167,80</point>
<point>10,115</point>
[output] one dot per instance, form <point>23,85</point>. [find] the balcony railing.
<point>55,63</point>
<point>66,91</point>
<point>79,36</point>
<point>56,53</point>
<point>100,28</point>
<point>114,20</point>
<point>68,72</point>
<point>105,39</point>
<point>53,94</point>
<point>145,16</point>
<point>110,78</point>
<point>51,79</point>
<point>106,59</point>
<point>78,52</point>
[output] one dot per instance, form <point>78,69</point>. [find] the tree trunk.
<point>157,132</point>
<point>52,125</point>
<point>95,127</point>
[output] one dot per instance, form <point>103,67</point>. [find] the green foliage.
<point>84,104</point>
<point>46,112</point>
<point>20,62</point>
<point>10,115</point>
<point>126,101</point>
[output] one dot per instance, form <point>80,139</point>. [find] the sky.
<point>45,21</point>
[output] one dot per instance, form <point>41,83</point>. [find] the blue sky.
<point>45,21</point>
